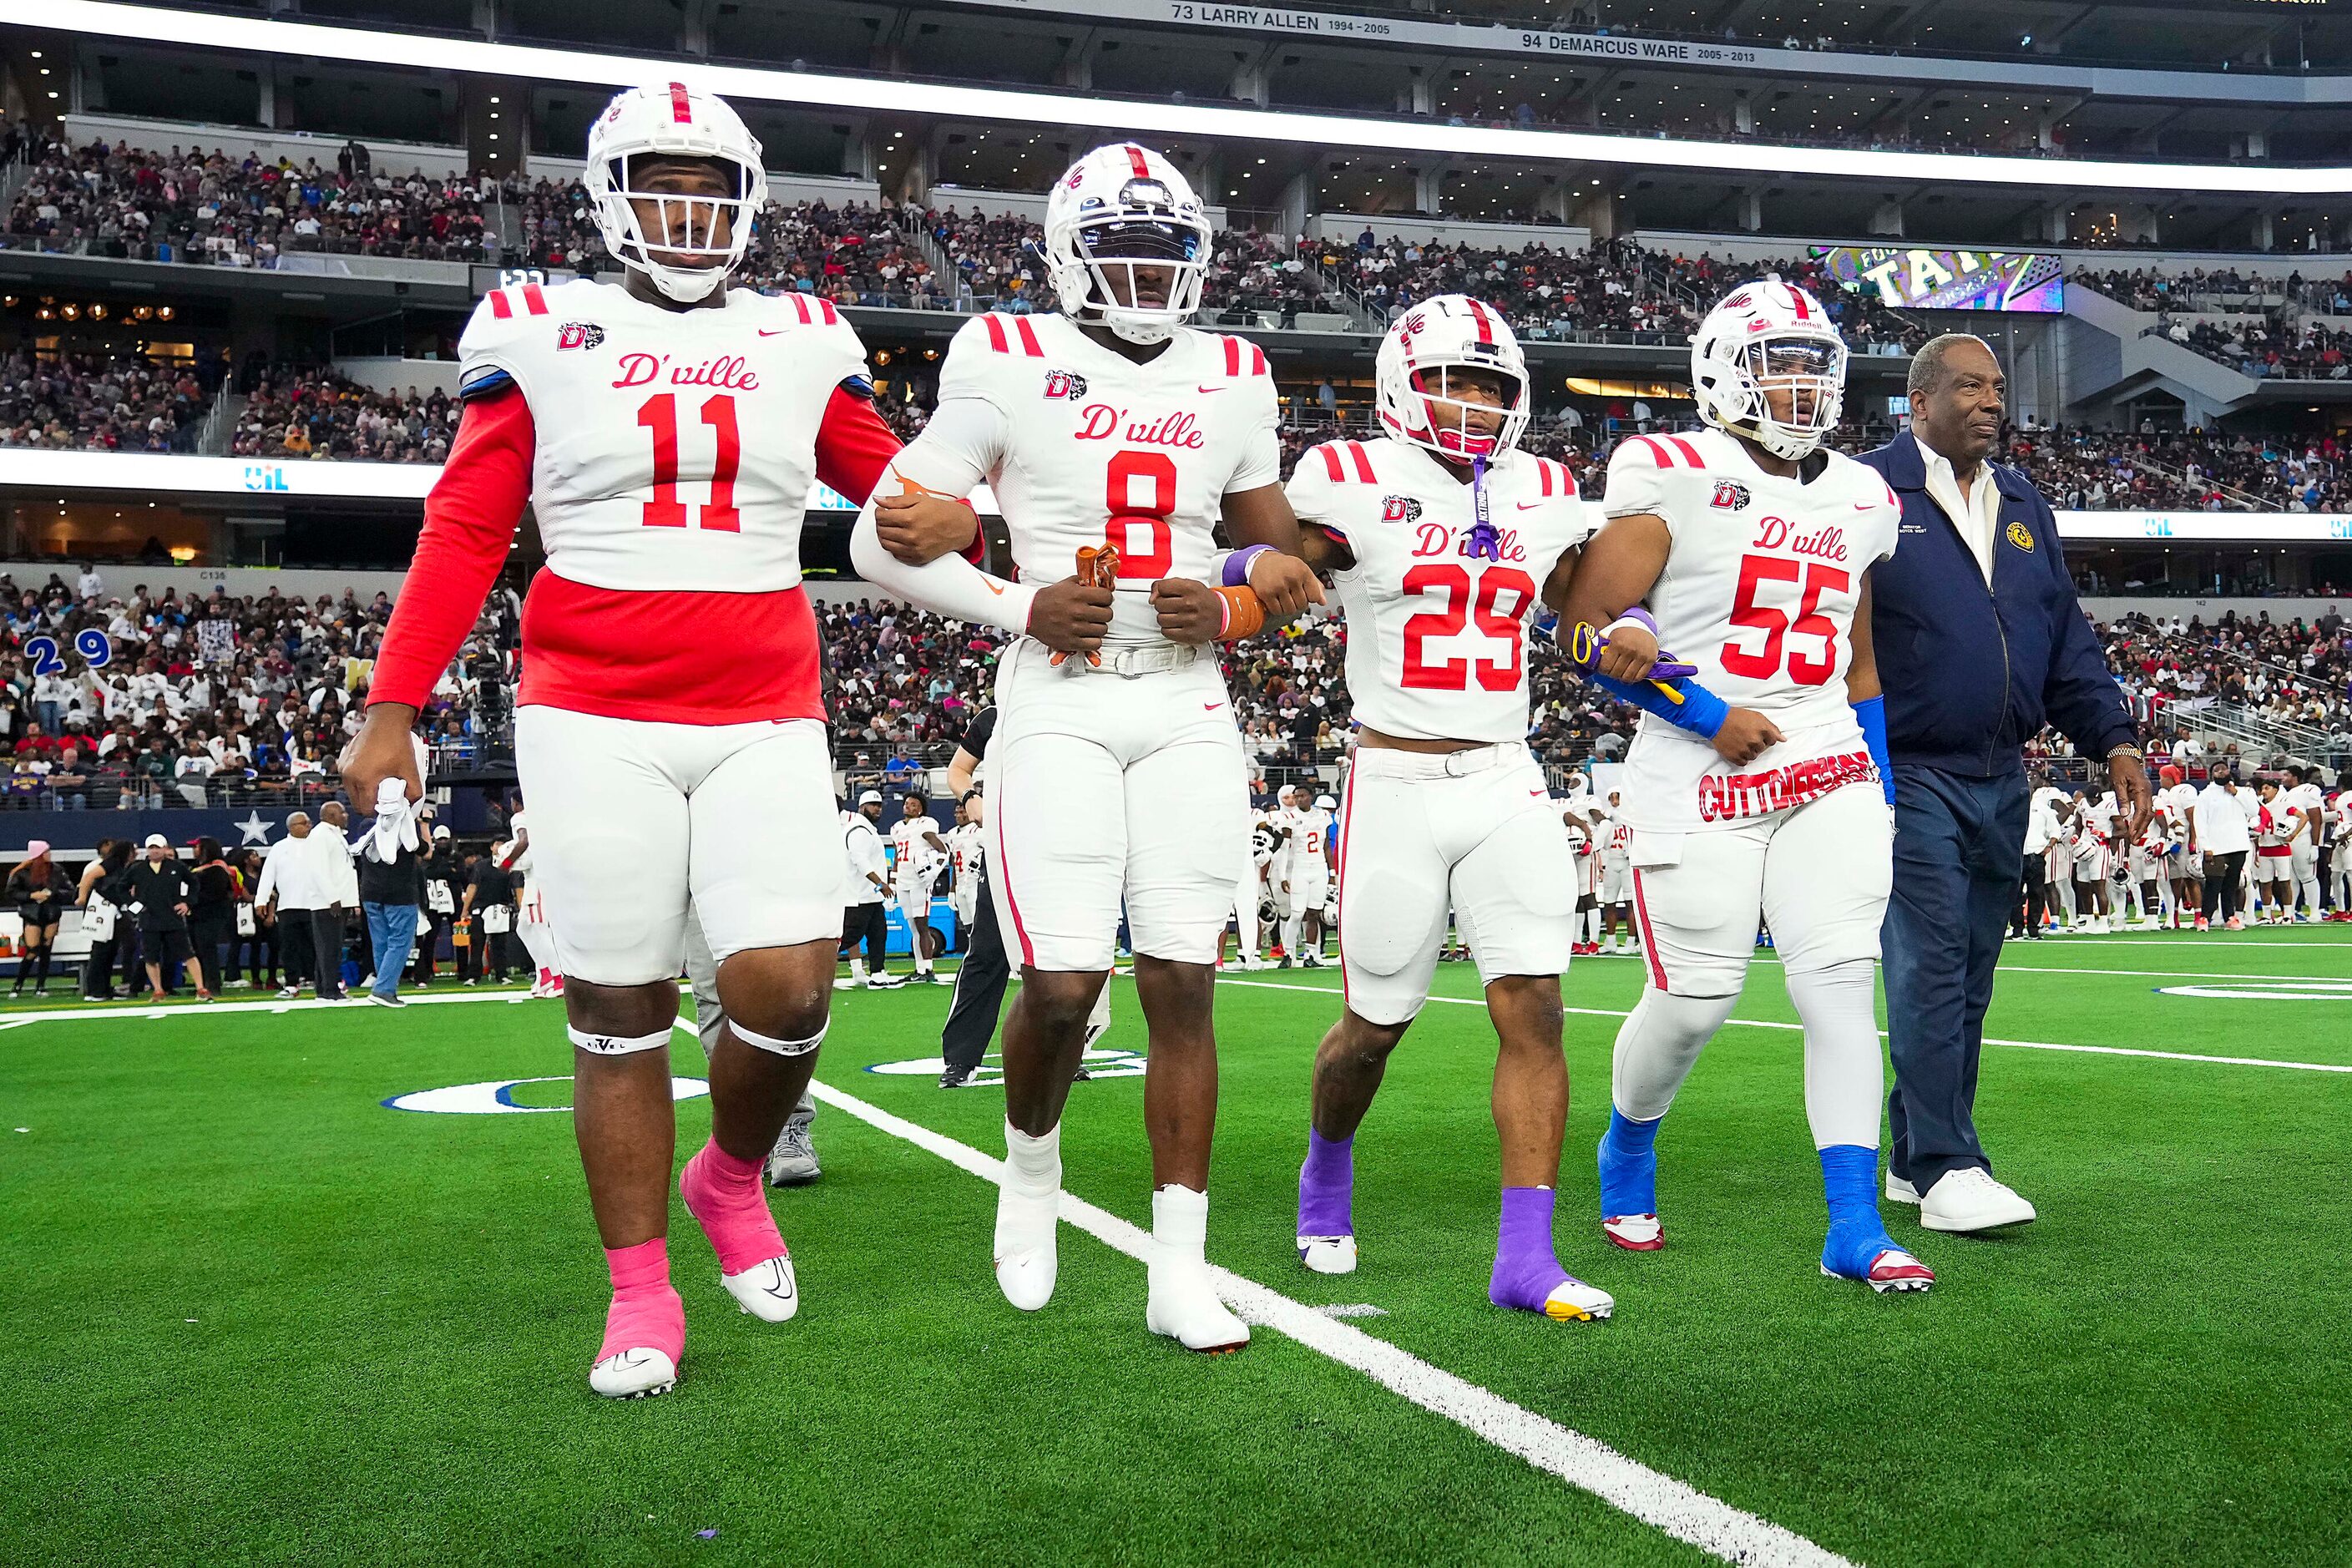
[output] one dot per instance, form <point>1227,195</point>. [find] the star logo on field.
<point>255,831</point>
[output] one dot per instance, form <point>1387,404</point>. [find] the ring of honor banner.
<point>1951,279</point>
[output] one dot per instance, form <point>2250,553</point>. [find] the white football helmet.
<point>1449,333</point>
<point>1125,206</point>
<point>1767,336</point>
<point>673,120</point>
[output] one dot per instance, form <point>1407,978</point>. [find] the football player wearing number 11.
<point>1752,548</point>
<point>670,735</point>
<point>1114,430</point>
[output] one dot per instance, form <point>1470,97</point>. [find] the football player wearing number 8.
<point>670,731</point>
<point>1115,437</point>
<point>1752,546</point>
<point>1442,537</point>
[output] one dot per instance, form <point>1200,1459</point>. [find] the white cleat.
<point>637,1373</point>
<point>1026,1260</point>
<point>769,1292</point>
<point>1572,1301</point>
<point>1968,1200</point>
<point>1328,1254</point>
<point>1634,1232</point>
<point>1183,1306</point>
<point>1899,1190</point>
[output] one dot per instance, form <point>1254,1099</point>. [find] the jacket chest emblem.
<point>2021,535</point>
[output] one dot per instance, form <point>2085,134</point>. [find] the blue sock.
<point>1857,1235</point>
<point>1629,1166</point>
<point>1327,1186</point>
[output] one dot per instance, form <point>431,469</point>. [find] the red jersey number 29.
<point>659,414</point>
<point>1494,622</point>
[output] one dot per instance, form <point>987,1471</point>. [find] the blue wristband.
<point>1684,702</point>
<point>1871,712</point>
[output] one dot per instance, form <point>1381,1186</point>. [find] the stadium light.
<point>248,35</point>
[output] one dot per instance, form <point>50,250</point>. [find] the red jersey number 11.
<point>659,414</point>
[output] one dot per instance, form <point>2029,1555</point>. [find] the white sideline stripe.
<point>1774,1024</point>
<point>2233,939</point>
<point>1659,1500</point>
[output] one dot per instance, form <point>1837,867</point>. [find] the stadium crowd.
<point>311,412</point>
<point>211,701</point>
<point>99,403</point>
<point>196,206</point>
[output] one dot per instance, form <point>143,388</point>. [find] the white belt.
<point>1130,663</point>
<point>1391,762</point>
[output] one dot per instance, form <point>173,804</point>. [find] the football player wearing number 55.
<point>670,733</point>
<point>1116,439</point>
<point>1751,547</point>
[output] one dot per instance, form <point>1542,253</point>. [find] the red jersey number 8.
<point>1138,527</point>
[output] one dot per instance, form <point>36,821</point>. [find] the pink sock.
<point>646,1312</point>
<point>723,1194</point>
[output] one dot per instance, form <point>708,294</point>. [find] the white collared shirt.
<point>1978,517</point>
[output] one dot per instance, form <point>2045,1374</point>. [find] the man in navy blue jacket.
<point>1979,639</point>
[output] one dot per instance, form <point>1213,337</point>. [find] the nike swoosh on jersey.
<point>1206,390</point>
<point>776,332</point>
<point>1532,505</point>
<point>1211,706</point>
<point>1864,505</point>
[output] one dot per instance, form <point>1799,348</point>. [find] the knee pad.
<point>774,1046</point>
<point>615,1044</point>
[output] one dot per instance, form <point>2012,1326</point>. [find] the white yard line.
<point>1771,1023</point>
<point>1657,1500</point>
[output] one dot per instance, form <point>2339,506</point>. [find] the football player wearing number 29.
<point>1114,436</point>
<point>670,734</point>
<point>1443,537</point>
<point>1751,547</point>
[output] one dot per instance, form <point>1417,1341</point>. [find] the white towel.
<point>395,822</point>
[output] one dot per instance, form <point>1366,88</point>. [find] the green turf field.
<point>259,1317</point>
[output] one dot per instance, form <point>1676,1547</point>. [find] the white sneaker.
<point>638,1373</point>
<point>1899,1190</point>
<point>1328,1254</point>
<point>769,1291</point>
<point>1026,1261</point>
<point>290,993</point>
<point>1253,963</point>
<point>1969,1199</point>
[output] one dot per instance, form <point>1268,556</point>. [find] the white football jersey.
<point>1758,592</point>
<point>2271,822</point>
<point>1070,434</point>
<point>2307,799</point>
<point>910,844</point>
<point>965,848</point>
<point>1285,823</point>
<point>675,449</point>
<point>1437,642</point>
<point>1310,847</point>
<point>2182,798</point>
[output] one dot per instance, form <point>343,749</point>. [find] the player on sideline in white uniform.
<point>1250,893</point>
<point>530,911</point>
<point>1616,878</point>
<point>1310,877</point>
<point>1752,547</point>
<point>670,733</point>
<point>2303,797</point>
<point>1442,538</point>
<point>920,852</point>
<point>1115,437</point>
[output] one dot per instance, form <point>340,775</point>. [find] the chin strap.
<point>1485,541</point>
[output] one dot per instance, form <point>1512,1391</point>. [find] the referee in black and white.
<point>981,978</point>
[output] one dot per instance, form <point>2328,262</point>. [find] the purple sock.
<point>1526,1268</point>
<point>1327,1186</point>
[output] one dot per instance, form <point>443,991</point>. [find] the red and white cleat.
<point>1893,1269</point>
<point>1634,1232</point>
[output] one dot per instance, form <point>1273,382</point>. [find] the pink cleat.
<point>725,1197</point>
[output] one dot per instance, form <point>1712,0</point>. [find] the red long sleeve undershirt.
<point>469,520</point>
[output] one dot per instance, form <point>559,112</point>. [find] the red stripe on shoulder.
<point>1687,450</point>
<point>1363,462</point>
<point>1659,457</point>
<point>1566,477</point>
<point>534,299</point>
<point>996,339</point>
<point>1543,476</point>
<point>832,316</point>
<point>1029,344</point>
<point>1331,463</point>
<point>500,306</point>
<point>1257,360</point>
<point>1233,356</point>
